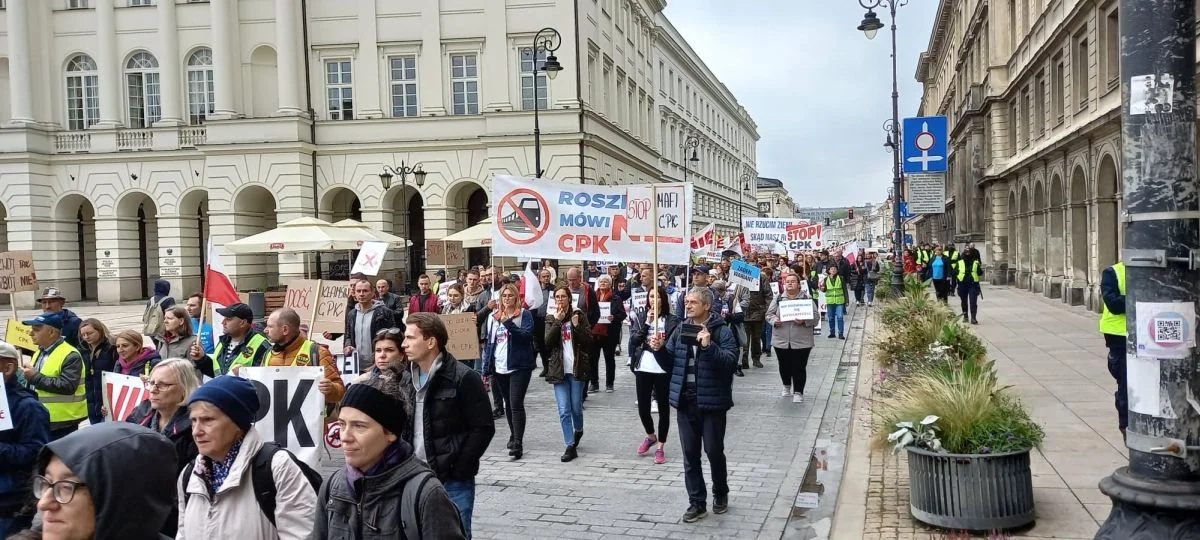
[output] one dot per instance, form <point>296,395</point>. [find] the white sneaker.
<point>787,391</point>
<point>797,398</point>
<point>654,407</point>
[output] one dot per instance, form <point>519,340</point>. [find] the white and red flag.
<point>122,394</point>
<point>219,291</point>
<point>705,240</point>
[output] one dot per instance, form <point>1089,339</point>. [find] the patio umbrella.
<point>299,235</point>
<point>372,235</point>
<point>479,235</point>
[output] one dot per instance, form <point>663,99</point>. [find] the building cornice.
<point>937,39</point>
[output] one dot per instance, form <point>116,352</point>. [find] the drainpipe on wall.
<point>312,117</point>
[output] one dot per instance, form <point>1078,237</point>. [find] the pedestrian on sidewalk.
<point>1112,325</point>
<point>969,271</point>
<point>939,271</point>
<point>508,357</point>
<point>873,270</point>
<point>652,365</point>
<point>705,357</point>
<point>835,302</point>
<point>754,315</point>
<point>606,333</point>
<point>792,341</point>
<point>569,340</point>
<point>774,285</point>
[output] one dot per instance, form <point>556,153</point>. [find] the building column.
<point>366,88</point>
<point>118,269</point>
<point>431,63</point>
<point>495,55</point>
<point>170,70</point>
<point>288,48</point>
<point>225,60</point>
<point>19,62</point>
<point>109,66</point>
<point>179,254</point>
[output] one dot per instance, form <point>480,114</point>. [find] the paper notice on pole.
<point>1150,96</point>
<point>926,193</point>
<point>1166,329</point>
<point>1142,377</point>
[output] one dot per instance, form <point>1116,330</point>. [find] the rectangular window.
<point>1039,105</point>
<point>1079,83</point>
<point>464,83</point>
<point>141,2</point>
<point>404,85</point>
<point>1057,80</point>
<point>1112,48</point>
<point>607,82</point>
<point>201,95</point>
<point>83,102</point>
<point>591,70</point>
<point>339,89</point>
<point>77,4</point>
<point>145,102</point>
<point>1026,117</point>
<point>531,71</point>
<point>1014,114</point>
<point>1013,35</point>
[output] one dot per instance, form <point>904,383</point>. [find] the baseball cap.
<point>239,310</point>
<point>52,293</point>
<point>46,319</point>
<point>9,351</point>
<point>701,269</point>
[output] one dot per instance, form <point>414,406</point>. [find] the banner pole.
<point>312,317</point>
<point>654,305</point>
<point>12,303</point>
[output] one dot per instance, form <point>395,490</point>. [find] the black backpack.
<point>262,479</point>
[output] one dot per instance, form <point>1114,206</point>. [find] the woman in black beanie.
<point>379,469</point>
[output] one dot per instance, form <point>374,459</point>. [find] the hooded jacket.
<point>162,290</point>
<point>19,446</point>
<point>140,365</point>
<point>179,432</point>
<point>128,471</point>
<point>456,418</point>
<point>715,365</point>
<point>70,329</point>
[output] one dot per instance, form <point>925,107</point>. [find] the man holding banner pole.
<point>289,348</point>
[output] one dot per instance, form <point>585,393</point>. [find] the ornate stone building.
<point>1032,91</point>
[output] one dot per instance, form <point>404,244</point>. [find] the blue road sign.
<point>908,239</point>
<point>925,147</point>
<point>904,211</point>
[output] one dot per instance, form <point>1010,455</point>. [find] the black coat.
<point>457,422</point>
<point>640,333</point>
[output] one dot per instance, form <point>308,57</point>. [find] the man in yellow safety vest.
<point>1112,325</point>
<point>57,375</point>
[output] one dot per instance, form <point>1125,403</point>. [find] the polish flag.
<point>218,289</point>
<point>850,252</point>
<point>122,394</point>
<point>531,288</point>
<point>704,239</point>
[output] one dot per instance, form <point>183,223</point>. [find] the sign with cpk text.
<point>290,407</point>
<point>552,220</point>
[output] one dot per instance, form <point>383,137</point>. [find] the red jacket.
<point>431,305</point>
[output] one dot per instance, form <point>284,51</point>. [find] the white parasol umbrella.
<point>372,235</point>
<point>479,235</point>
<point>299,235</point>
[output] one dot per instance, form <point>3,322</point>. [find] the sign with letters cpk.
<point>552,220</point>
<point>290,407</point>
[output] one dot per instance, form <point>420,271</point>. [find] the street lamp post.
<point>385,180</point>
<point>870,26</point>
<point>692,142</point>
<point>744,191</point>
<point>547,40</point>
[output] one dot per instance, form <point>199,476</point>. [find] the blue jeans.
<point>569,396</point>
<point>837,318</point>
<point>870,291</point>
<point>766,338</point>
<point>462,492</point>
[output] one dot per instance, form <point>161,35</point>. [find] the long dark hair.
<point>664,303</point>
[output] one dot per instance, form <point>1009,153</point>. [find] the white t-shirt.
<point>649,363</point>
<point>499,335</point>
<point>568,343</point>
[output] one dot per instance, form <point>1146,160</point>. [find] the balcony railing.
<point>135,139</point>
<point>72,142</point>
<point>191,137</point>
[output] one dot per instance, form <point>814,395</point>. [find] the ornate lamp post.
<point>692,142</point>
<point>547,40</point>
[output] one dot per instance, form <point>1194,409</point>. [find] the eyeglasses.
<point>159,386</point>
<point>63,490</point>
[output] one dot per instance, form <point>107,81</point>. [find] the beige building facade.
<point>134,131</point>
<point>1032,90</point>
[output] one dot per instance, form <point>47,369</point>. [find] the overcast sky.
<point>818,89</point>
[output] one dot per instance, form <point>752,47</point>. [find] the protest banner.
<point>766,231</point>
<point>705,240</point>
<point>16,272</point>
<point>445,253</point>
<point>20,335</point>
<point>290,408</point>
<point>639,299</point>
<point>802,237</point>
<point>744,274</point>
<point>122,394</point>
<point>330,315</point>
<point>370,258</point>
<point>5,411</point>
<point>464,335</point>
<point>796,310</point>
<point>302,296</point>
<point>536,219</point>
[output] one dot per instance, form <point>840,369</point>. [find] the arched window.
<point>83,95</point>
<point>201,93</point>
<point>145,100</point>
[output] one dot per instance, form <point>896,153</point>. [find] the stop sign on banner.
<point>805,237</point>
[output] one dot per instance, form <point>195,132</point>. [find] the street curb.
<point>849,517</point>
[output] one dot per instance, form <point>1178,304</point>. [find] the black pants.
<point>539,339</point>
<point>754,331</point>
<point>969,294</point>
<point>793,367</point>
<point>941,288</point>
<point>859,288</point>
<point>606,345</point>
<point>497,398</point>
<point>513,387</point>
<point>708,427</point>
<point>660,386</point>
<point>1116,368</point>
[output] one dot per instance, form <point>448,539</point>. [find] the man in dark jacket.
<point>754,315</point>
<point>368,317</point>
<point>53,302</point>
<point>19,446</point>
<point>583,296</point>
<point>702,393</point>
<point>451,425</point>
<point>390,300</point>
<point>1112,326</point>
<point>969,271</point>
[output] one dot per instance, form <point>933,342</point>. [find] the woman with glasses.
<point>112,480</point>
<point>568,337</point>
<point>607,332</point>
<point>509,358</point>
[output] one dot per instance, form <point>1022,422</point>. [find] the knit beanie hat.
<point>383,398</point>
<point>235,396</point>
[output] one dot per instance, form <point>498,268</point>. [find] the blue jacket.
<point>520,345</point>
<point>715,366</point>
<point>70,329</point>
<point>205,334</point>
<point>19,447</point>
<point>1110,291</point>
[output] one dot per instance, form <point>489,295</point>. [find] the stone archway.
<point>1011,237</point>
<point>254,210</point>
<point>137,221</point>
<point>1056,248</point>
<point>73,269</point>
<point>1107,201</point>
<point>194,232</point>
<point>340,203</point>
<point>1080,248</point>
<point>1024,260</point>
<point>1038,237</point>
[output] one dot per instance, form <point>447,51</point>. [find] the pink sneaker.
<point>646,444</point>
<point>660,457</point>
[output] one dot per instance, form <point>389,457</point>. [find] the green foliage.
<point>839,214</point>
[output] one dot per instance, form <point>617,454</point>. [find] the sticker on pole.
<point>1166,330</point>
<point>1151,94</point>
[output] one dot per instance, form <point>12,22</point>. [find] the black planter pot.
<point>978,492</point>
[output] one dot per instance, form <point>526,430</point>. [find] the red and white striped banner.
<point>122,394</point>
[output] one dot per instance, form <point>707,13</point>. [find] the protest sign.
<point>639,299</point>
<point>766,231</point>
<point>705,240</point>
<point>347,366</point>
<point>536,219</point>
<point>370,258</point>
<point>20,335</point>
<point>122,394</point>
<point>444,290</point>
<point>744,274</point>
<point>290,408</point>
<point>464,336</point>
<point>16,272</point>
<point>5,412</point>
<point>302,296</point>
<point>802,237</point>
<point>605,313</point>
<point>332,300</point>
<point>796,310</point>
<point>447,253</point>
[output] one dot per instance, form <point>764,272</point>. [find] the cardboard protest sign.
<point>5,411</point>
<point>805,237</point>
<point>766,231</point>
<point>796,310</point>
<point>744,274</point>
<point>20,335</point>
<point>591,222</point>
<point>370,258</point>
<point>302,296</point>
<point>16,272</point>
<point>332,300</point>
<point>122,394</point>
<point>464,337</point>
<point>447,253</point>
<point>290,408</point>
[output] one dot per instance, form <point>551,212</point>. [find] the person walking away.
<point>873,273</point>
<point>177,338</point>
<point>508,356</point>
<point>57,375</point>
<point>368,317</point>
<point>764,337</point>
<point>383,291</point>
<point>1112,326</point>
<point>939,271</point>
<point>240,345</point>
<point>224,493</point>
<point>19,446</point>
<point>290,349</point>
<point>753,314</point>
<point>451,425</point>
<point>426,300</point>
<point>835,302</point>
<point>605,334</point>
<point>969,271</point>
<point>652,365</point>
<point>702,393</point>
<point>99,355</point>
<point>195,305</point>
<point>171,384</point>
<point>568,337</point>
<point>53,303</point>
<point>112,480</point>
<point>156,307</point>
<point>792,340</point>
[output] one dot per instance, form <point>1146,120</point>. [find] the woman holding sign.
<point>509,356</point>
<point>607,332</point>
<point>791,316</point>
<point>652,364</point>
<point>568,338</point>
